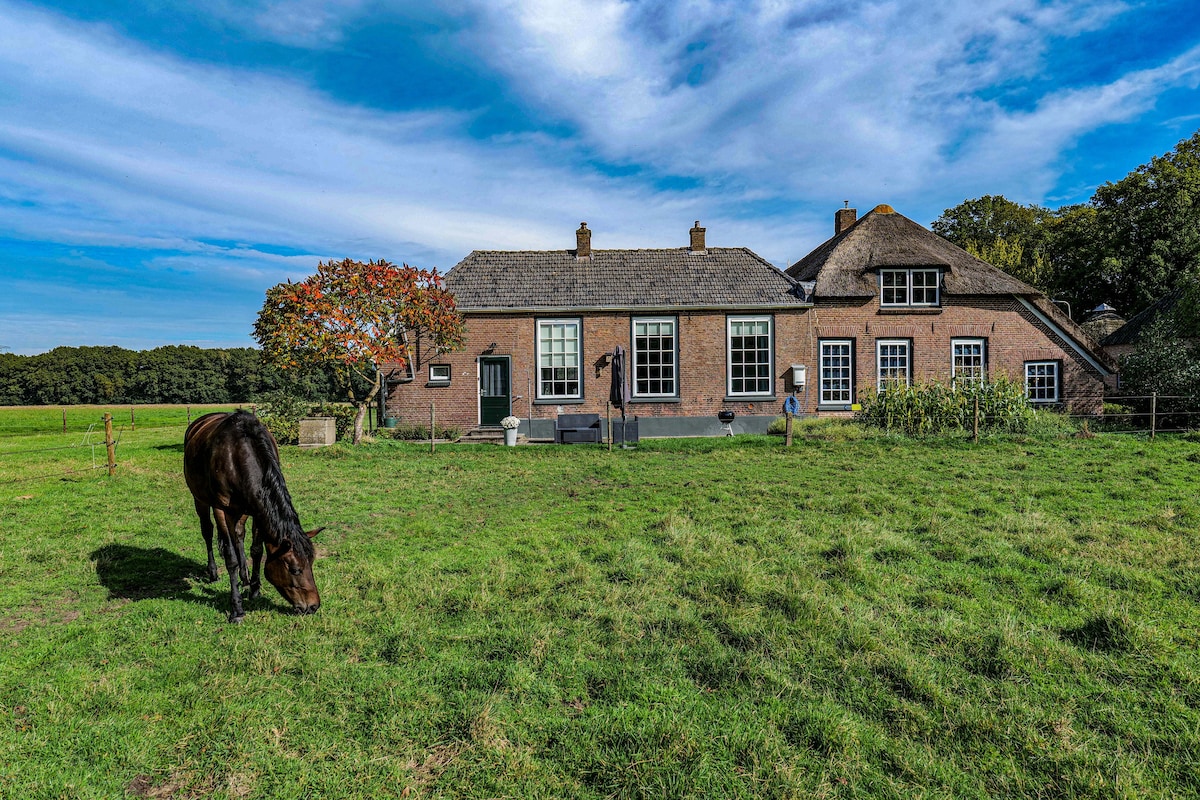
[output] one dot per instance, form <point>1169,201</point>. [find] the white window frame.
<point>439,373</point>
<point>824,395</point>
<point>909,288</point>
<point>578,366</point>
<point>880,344</point>
<point>954,343</point>
<point>1055,372</point>
<point>770,350</point>
<point>635,364</point>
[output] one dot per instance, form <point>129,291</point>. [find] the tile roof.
<point>721,277</point>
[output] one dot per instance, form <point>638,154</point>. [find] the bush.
<point>417,433</point>
<point>935,408</point>
<point>343,417</point>
<point>281,413</point>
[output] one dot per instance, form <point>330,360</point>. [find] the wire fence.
<point>1150,414</point>
<point>90,441</point>
<point>90,444</point>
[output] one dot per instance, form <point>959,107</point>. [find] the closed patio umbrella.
<point>618,392</point>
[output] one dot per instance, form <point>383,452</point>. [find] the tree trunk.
<point>362,407</point>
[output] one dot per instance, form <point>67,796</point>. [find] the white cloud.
<point>767,110</point>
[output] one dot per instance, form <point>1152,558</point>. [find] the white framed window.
<point>837,372</point>
<point>1041,381</point>
<point>967,360</point>
<point>893,363</point>
<point>439,373</point>
<point>749,355</point>
<point>558,346</point>
<point>909,287</point>
<point>654,363</point>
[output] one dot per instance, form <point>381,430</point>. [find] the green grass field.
<point>865,617</point>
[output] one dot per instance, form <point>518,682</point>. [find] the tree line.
<point>171,374</point>
<point>1134,241</point>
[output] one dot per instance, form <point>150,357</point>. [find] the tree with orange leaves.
<point>358,315</point>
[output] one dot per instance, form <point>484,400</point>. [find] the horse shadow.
<point>139,573</point>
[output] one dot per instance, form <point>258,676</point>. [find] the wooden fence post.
<point>432,429</point>
<point>975,426</point>
<point>787,430</point>
<point>64,420</point>
<point>1153,412</point>
<point>132,421</point>
<point>110,445</point>
<point>189,415</point>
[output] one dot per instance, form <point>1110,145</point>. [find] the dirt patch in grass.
<point>180,786</point>
<point>37,615</point>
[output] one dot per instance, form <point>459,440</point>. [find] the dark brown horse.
<point>231,464</point>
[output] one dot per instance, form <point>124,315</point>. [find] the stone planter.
<point>317,432</point>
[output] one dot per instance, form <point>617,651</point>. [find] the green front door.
<point>495,398</point>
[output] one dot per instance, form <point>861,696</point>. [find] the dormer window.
<point>908,287</point>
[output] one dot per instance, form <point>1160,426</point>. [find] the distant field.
<point>868,617</point>
<point>26,420</point>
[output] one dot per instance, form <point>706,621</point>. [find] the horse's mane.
<point>273,499</point>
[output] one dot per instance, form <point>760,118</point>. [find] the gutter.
<point>1082,351</point>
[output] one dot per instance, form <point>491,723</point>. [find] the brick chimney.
<point>697,245</point>
<point>844,218</point>
<point>583,241</point>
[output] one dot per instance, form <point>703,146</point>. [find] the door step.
<point>484,434</point>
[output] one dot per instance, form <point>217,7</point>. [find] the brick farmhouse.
<point>710,329</point>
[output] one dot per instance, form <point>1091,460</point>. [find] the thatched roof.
<point>847,264</point>
<point>1102,321</point>
<point>720,277</point>
<point>1131,331</point>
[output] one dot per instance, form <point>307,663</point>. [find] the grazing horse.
<point>231,465</point>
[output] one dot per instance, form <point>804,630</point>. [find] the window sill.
<point>563,401</point>
<point>634,400</point>
<point>437,383</point>
<point>922,310</point>
<point>749,398</point>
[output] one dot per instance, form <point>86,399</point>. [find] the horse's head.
<point>290,571</point>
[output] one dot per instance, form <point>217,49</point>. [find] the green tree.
<point>1007,235</point>
<point>1148,228</point>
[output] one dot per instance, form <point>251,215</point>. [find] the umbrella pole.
<point>608,408</point>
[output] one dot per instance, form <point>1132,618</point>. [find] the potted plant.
<point>510,425</point>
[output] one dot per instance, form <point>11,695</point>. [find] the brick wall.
<point>1013,336</point>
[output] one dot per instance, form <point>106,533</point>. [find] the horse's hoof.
<point>254,593</point>
<point>211,577</point>
<point>236,620</point>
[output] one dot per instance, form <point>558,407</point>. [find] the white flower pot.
<point>510,437</point>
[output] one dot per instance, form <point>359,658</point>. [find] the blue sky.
<point>163,162</point>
